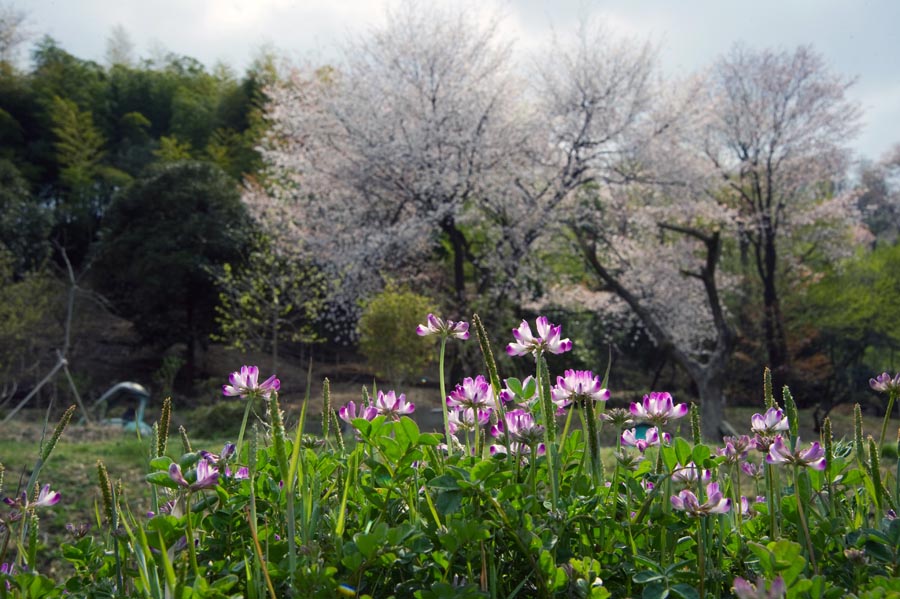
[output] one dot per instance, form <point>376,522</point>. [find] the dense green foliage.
<point>271,299</point>
<point>389,512</point>
<point>161,239</point>
<point>384,337</point>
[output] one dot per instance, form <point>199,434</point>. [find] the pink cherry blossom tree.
<point>778,139</point>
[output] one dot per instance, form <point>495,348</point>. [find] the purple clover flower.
<point>436,326</point>
<point>547,339</point>
<point>467,419</point>
<point>651,437</point>
<point>716,503</point>
<point>348,413</point>
<point>736,448</point>
<point>578,386</point>
<point>246,382</point>
<point>773,421</point>
<point>657,408</point>
<point>472,393</point>
<point>207,475</point>
<point>883,383</point>
<point>522,431</point>
<point>812,457</point>
<point>393,406</point>
<point>747,590</point>
<point>689,473</point>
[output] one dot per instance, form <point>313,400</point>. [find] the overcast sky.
<point>859,38</point>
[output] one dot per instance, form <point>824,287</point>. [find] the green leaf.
<point>700,454</point>
<point>162,479</point>
<point>685,591</point>
<point>655,590</point>
<point>161,463</point>
<point>482,470</point>
<point>646,576</point>
<point>682,451</point>
<point>407,432</point>
<point>368,543</point>
<point>445,481</point>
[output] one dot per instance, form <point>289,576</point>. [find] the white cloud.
<point>857,39</point>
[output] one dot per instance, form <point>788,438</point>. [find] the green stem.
<point>593,443</point>
<point>444,396</point>
<point>547,415</point>
<point>240,441</point>
<point>192,551</point>
<point>701,556</point>
<point>772,497</point>
<point>892,397</point>
<point>803,524</point>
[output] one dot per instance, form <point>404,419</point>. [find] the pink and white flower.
<point>206,475</point>
<point>348,413</point>
<point>578,386</point>
<point>547,340</point>
<point>773,421</point>
<point>812,457</point>
<point>393,406</point>
<point>658,407</point>
<point>467,419</point>
<point>246,382</point>
<point>651,437</point>
<point>883,383</point>
<point>472,393</point>
<point>436,326</point>
<point>715,503</point>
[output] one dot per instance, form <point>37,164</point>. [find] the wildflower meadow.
<point>513,498</point>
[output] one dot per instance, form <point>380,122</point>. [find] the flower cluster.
<point>245,383</point>
<point>206,475</point>
<point>883,383</point>
<point>436,326</point>
<point>715,503</point>
<point>651,436</point>
<point>45,498</point>
<point>812,457</point>
<point>658,408</point>
<point>547,340</point>
<point>519,427</point>
<point>576,387</point>
<point>389,404</point>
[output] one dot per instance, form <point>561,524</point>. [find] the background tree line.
<point>701,228</point>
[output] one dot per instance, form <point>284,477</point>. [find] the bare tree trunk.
<point>710,388</point>
<point>776,342</point>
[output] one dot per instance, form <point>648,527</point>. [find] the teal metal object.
<point>133,398</point>
<point>640,431</point>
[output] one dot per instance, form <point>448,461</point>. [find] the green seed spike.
<point>165,417</point>
<point>105,490</point>
<point>326,410</point>
<point>828,441</point>
<point>485,344</point>
<point>57,433</point>
<point>858,446</point>
<point>768,396</point>
<point>695,424</point>
<point>337,431</point>
<point>793,415</point>
<point>278,437</point>
<point>875,471</point>
<point>185,442</point>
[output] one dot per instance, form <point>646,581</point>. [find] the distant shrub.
<point>387,333</point>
